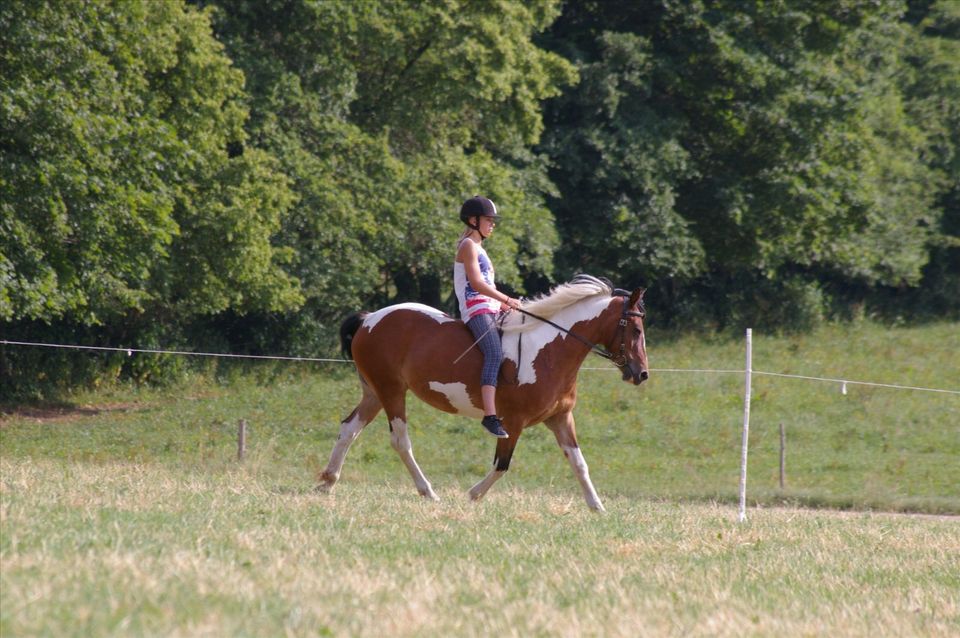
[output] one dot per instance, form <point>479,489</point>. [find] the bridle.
<point>620,359</point>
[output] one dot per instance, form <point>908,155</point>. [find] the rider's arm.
<point>471,267</point>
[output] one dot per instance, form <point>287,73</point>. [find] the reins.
<point>594,348</point>
<point>619,360</point>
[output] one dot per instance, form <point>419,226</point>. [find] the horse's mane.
<point>560,297</point>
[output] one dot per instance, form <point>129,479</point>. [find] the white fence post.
<point>746,427</point>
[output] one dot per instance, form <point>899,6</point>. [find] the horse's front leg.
<point>501,463</point>
<point>562,426</point>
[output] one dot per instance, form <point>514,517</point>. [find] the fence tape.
<point>844,382</point>
<point>130,351</point>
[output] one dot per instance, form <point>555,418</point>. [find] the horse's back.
<point>416,347</point>
<point>399,327</point>
<point>410,334</point>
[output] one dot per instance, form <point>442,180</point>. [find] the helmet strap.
<point>476,227</point>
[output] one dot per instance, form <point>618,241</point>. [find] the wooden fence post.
<point>783,456</point>
<point>241,439</point>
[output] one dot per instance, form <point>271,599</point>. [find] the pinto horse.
<point>414,347</point>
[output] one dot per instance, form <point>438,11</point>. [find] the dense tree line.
<point>757,161</point>
<point>239,174</point>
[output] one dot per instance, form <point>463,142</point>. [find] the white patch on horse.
<point>400,440</point>
<point>456,394</point>
<point>582,472</point>
<point>536,339</point>
<point>374,318</point>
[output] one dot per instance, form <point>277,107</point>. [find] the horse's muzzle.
<point>633,373</point>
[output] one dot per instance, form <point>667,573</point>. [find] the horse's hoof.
<point>325,486</point>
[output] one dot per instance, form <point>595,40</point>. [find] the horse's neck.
<point>586,313</point>
<point>566,354</point>
<point>583,319</point>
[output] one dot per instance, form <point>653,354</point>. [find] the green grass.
<point>677,436</point>
<point>129,513</point>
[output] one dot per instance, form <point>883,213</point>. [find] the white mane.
<point>560,297</point>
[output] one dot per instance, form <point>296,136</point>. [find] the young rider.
<point>480,301</point>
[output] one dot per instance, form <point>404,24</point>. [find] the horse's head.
<point>629,345</point>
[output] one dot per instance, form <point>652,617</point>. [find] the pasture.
<point>125,511</point>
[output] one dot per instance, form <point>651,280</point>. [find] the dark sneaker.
<point>494,427</point>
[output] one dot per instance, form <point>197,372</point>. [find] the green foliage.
<point>239,175</point>
<point>931,83</point>
<point>121,205</point>
<point>387,115</point>
<point>458,74</point>
<point>718,147</point>
<point>618,163</point>
<point>119,193</point>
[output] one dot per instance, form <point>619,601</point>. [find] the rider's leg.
<point>489,395</point>
<point>484,330</point>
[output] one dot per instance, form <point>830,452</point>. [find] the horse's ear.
<point>637,296</point>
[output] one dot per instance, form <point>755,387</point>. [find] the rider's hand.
<point>511,303</point>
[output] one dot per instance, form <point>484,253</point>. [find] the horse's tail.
<point>349,328</point>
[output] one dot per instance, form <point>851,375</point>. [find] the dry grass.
<point>108,549</point>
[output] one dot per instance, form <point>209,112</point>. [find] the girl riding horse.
<point>480,301</point>
<point>412,348</point>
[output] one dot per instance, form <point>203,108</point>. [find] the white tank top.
<point>472,303</point>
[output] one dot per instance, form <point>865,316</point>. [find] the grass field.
<point>125,512</point>
<point>131,549</point>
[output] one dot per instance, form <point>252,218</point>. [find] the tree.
<point>740,153</point>
<point>387,115</point>
<point>931,84</point>
<point>122,208</point>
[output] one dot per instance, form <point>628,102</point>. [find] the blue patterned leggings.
<point>489,345</point>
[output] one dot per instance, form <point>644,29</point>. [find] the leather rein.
<point>619,360</point>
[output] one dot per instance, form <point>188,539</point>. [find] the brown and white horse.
<point>413,347</point>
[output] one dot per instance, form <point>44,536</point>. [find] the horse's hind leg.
<point>350,429</point>
<point>400,440</point>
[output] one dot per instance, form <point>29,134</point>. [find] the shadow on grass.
<point>62,410</point>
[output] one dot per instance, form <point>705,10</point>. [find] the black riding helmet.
<point>478,206</point>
